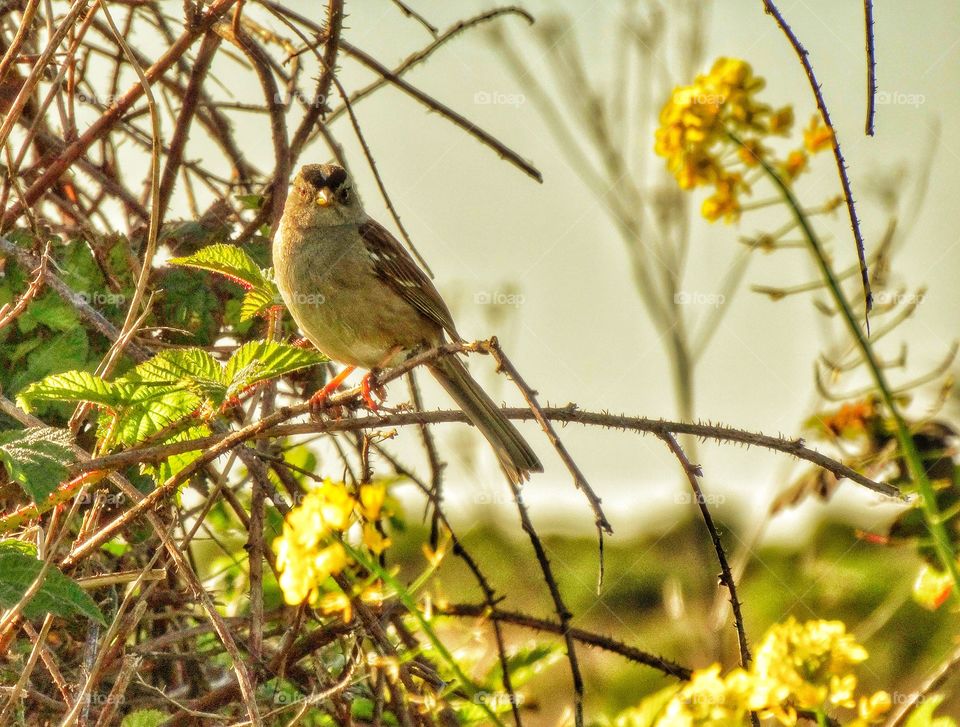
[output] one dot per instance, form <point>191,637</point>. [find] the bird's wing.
<point>394,266</point>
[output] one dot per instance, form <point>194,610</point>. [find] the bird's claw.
<point>368,387</point>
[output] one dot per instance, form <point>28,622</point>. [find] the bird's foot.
<point>368,387</point>
<point>318,402</point>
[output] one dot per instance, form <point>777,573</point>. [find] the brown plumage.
<point>360,298</point>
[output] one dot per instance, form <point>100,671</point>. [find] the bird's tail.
<point>516,456</point>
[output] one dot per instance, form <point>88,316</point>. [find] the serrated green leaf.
<point>227,260</point>
<point>37,459</point>
<point>259,361</point>
<point>151,415</point>
<point>145,718</point>
<point>191,368</point>
<point>70,386</point>
<point>171,465</point>
<point>177,364</point>
<point>58,595</point>
<point>259,299</point>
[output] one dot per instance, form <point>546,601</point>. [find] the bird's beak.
<point>324,197</point>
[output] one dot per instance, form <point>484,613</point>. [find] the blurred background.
<point>608,289</point>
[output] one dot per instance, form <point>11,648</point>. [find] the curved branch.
<point>586,637</point>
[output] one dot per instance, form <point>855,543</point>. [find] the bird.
<point>361,299</point>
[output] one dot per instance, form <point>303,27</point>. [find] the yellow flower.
<point>337,603</point>
<point>817,136</point>
<point>329,561</point>
<point>807,664</point>
<point>781,120</point>
<point>795,164</point>
<point>372,498</point>
<point>871,709</point>
<point>336,504</point>
<point>710,127</point>
<point>374,539</point>
<point>724,202</point>
<point>932,588</point>
<point>305,558</point>
<point>709,699</point>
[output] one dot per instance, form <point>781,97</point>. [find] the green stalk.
<point>407,600</point>
<point>931,514</point>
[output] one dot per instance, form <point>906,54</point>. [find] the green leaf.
<point>227,260</point>
<point>259,361</point>
<point>171,465</point>
<point>63,352</point>
<point>259,299</point>
<point>70,386</point>
<point>193,368</point>
<point>526,663</point>
<point>58,595</point>
<point>922,716</point>
<point>49,310</point>
<point>153,412</point>
<point>250,201</point>
<point>649,711</point>
<point>145,718</point>
<point>37,459</point>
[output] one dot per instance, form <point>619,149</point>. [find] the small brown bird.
<point>361,299</point>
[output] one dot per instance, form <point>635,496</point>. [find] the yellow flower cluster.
<point>309,551</point>
<point>797,667</point>
<point>712,132</point>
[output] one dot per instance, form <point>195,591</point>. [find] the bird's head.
<point>323,194</point>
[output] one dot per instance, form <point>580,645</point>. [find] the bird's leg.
<point>318,400</point>
<point>369,384</point>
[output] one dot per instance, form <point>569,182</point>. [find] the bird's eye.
<point>343,195</point>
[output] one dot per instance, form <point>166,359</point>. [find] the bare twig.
<point>871,67</point>
<point>804,57</point>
